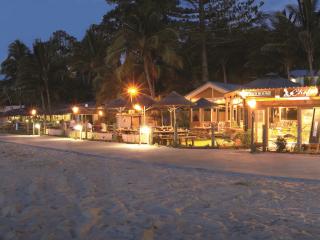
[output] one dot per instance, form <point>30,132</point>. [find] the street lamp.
<point>100,113</point>
<point>38,127</point>
<point>252,104</point>
<point>33,113</point>
<point>139,108</point>
<point>132,91</point>
<point>75,110</point>
<point>79,128</point>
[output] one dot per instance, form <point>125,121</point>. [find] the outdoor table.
<point>165,137</point>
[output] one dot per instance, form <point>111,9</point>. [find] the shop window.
<point>306,123</point>
<point>289,114</point>
<point>283,123</point>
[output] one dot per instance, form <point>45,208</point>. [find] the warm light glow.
<point>236,101</point>
<point>145,130</point>
<point>297,98</point>
<point>220,101</point>
<point>252,103</point>
<point>243,94</point>
<point>137,107</point>
<point>37,126</point>
<point>33,112</point>
<point>78,127</point>
<point>75,109</point>
<point>132,91</point>
<point>27,120</point>
<point>312,92</point>
<point>100,113</point>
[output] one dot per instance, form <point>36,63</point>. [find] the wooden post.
<point>212,136</point>
<point>226,111</point>
<point>175,134</point>
<point>299,129</point>
<point>264,135</point>
<point>253,147</point>
<point>267,124</point>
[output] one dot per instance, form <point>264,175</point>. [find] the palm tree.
<point>307,15</point>
<point>9,68</point>
<point>282,46</point>
<point>146,42</point>
<point>44,54</point>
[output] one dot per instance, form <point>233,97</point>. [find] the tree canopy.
<point>162,46</point>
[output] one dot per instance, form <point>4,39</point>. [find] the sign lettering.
<point>266,93</point>
<point>301,92</point>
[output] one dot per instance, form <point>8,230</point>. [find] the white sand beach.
<point>53,194</point>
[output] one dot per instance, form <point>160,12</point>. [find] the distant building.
<point>301,76</point>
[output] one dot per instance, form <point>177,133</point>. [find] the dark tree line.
<point>162,45</point>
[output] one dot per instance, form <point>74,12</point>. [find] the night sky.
<point>30,19</point>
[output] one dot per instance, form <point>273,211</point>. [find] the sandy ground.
<point>52,194</point>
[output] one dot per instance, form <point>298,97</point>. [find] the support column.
<point>231,111</point>
<point>299,129</point>
<point>267,124</point>
<point>227,111</point>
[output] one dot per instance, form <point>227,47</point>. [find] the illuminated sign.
<point>265,93</point>
<point>301,92</point>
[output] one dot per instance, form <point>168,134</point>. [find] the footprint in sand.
<point>93,216</point>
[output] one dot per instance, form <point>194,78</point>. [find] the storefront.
<point>290,113</point>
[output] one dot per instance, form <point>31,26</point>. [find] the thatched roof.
<point>143,100</point>
<point>116,103</point>
<point>173,100</point>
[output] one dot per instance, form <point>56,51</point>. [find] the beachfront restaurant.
<point>277,107</point>
<point>203,114</point>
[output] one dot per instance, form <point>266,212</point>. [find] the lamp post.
<point>33,113</point>
<point>138,108</point>
<point>132,91</point>
<point>75,111</point>
<point>38,127</point>
<point>100,113</point>
<point>252,104</point>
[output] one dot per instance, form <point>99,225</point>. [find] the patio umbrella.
<point>174,101</point>
<point>143,100</point>
<point>118,103</point>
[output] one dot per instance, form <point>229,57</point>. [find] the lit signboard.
<point>300,92</point>
<point>264,93</point>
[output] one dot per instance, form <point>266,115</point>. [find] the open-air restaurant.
<point>270,113</point>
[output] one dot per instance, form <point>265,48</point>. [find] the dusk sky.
<point>30,19</point>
